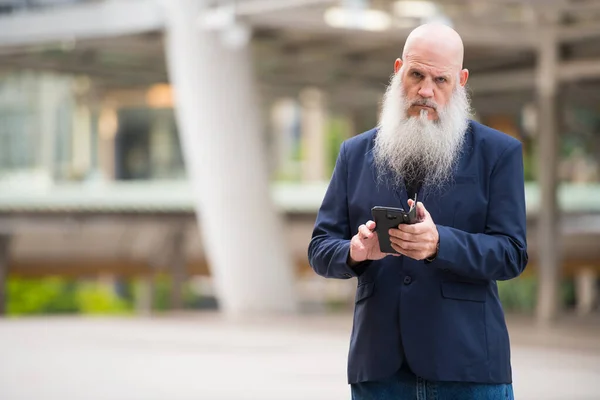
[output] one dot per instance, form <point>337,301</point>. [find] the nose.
<point>426,91</point>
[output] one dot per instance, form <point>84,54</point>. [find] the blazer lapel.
<point>385,186</point>
<point>441,206</point>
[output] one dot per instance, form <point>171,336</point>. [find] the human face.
<point>428,83</point>
<point>404,142</point>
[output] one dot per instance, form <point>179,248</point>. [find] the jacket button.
<point>407,280</point>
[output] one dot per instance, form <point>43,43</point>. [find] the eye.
<point>417,74</point>
<point>441,79</point>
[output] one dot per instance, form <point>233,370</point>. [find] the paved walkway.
<point>203,357</point>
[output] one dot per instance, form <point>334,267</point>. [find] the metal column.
<point>4,259</point>
<point>225,154</point>
<point>177,268</point>
<point>548,136</point>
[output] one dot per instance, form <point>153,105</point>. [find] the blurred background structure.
<point>93,144</point>
<point>170,155</point>
<point>104,166</point>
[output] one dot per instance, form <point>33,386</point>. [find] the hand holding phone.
<point>387,218</point>
<point>365,245</point>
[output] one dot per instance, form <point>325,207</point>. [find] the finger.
<point>396,233</point>
<point>411,202</point>
<point>406,253</point>
<point>406,246</point>
<point>398,249</point>
<point>412,229</point>
<point>364,232</point>
<point>370,225</point>
<point>421,211</point>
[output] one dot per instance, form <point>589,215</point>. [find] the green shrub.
<point>40,296</point>
<point>520,294</point>
<point>162,294</point>
<point>98,298</point>
<point>59,295</point>
<point>336,133</point>
<point>567,291</point>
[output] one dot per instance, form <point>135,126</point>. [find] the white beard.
<point>404,141</point>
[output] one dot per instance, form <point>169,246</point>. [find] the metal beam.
<point>313,22</point>
<point>130,75</point>
<point>578,32</point>
<point>82,21</point>
<point>573,71</point>
<point>479,84</point>
<point>524,79</point>
<point>258,7</point>
<point>497,82</point>
<point>113,18</point>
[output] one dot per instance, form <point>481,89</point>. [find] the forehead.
<point>430,60</point>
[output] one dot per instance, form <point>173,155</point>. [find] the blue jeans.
<point>404,385</point>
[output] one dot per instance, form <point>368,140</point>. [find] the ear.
<point>464,76</point>
<point>397,65</point>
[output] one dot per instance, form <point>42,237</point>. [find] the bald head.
<point>435,43</point>
<point>431,67</point>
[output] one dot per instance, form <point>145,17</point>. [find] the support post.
<point>177,267</point>
<point>4,259</point>
<point>586,290</point>
<point>549,123</point>
<point>314,126</point>
<point>145,295</point>
<point>94,172</point>
<point>225,155</point>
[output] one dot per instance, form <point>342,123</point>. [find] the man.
<point>428,323</point>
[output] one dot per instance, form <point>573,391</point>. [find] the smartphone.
<point>387,218</point>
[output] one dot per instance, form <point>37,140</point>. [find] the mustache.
<point>425,103</point>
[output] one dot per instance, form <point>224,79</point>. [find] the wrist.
<point>434,254</point>
<point>351,261</point>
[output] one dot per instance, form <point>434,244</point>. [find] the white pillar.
<point>81,140</point>
<point>314,127</point>
<point>108,124</point>
<point>284,120</point>
<point>161,145</point>
<point>586,290</point>
<point>216,110</point>
<point>145,295</point>
<point>50,96</point>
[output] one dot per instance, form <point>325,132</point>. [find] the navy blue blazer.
<point>443,317</point>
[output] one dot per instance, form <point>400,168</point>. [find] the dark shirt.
<point>414,184</point>
<point>412,188</point>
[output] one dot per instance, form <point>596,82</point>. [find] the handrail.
<point>165,196</point>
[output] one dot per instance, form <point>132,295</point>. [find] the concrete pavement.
<point>202,356</point>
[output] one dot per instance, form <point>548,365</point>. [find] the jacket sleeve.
<point>500,253</point>
<point>330,243</point>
